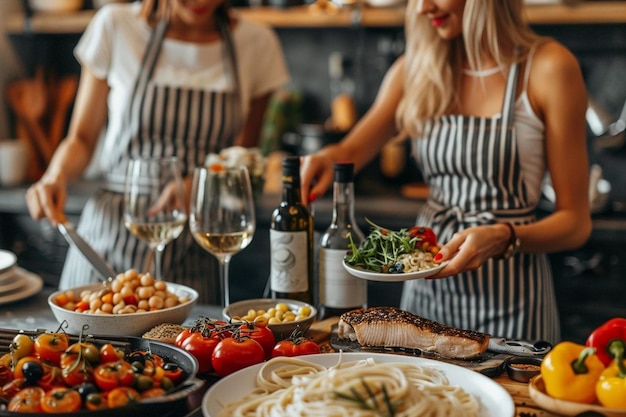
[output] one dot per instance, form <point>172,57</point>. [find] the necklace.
<point>483,73</point>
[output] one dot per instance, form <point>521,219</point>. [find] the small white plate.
<point>7,260</point>
<point>32,284</point>
<point>379,276</point>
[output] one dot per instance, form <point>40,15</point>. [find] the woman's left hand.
<point>470,248</point>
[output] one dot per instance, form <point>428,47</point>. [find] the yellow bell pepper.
<point>570,372</point>
<point>611,387</point>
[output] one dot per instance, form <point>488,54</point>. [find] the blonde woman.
<point>490,108</point>
<point>181,78</point>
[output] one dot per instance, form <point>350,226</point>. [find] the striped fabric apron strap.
<point>115,181</point>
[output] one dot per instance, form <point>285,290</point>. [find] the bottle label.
<point>290,261</point>
<point>339,289</point>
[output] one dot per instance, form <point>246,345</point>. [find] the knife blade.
<point>68,231</point>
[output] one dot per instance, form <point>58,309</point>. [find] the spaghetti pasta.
<point>294,387</point>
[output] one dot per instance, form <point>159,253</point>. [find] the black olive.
<point>85,389</point>
<point>32,371</point>
<point>170,366</point>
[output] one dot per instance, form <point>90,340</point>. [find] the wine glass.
<point>154,203</point>
<point>222,216</point>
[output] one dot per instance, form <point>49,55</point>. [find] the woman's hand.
<point>316,174</point>
<point>470,248</point>
<point>46,199</point>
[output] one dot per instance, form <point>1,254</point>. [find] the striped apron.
<point>162,121</point>
<point>472,167</point>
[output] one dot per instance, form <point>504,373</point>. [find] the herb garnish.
<point>371,401</point>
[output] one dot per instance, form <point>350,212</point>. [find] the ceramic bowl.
<point>281,330</point>
<point>522,369</point>
<point>131,324</point>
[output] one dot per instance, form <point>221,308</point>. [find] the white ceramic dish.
<point>7,260</point>
<point>133,324</point>
<point>282,330</point>
<point>31,285</point>
<point>495,400</point>
<point>537,391</point>
<point>378,276</point>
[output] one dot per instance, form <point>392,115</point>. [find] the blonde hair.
<point>433,66</point>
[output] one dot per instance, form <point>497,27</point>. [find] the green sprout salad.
<point>390,252</point>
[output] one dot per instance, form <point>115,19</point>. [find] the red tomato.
<point>425,234</point>
<point>201,348</point>
<point>50,346</point>
<point>8,390</point>
<point>232,354</point>
<point>76,370</point>
<point>173,372</point>
<point>295,346</point>
<point>61,400</point>
<point>121,396</point>
<point>6,375</point>
<point>109,353</point>
<point>114,374</point>
<point>261,334</point>
<point>52,377</point>
<point>27,400</point>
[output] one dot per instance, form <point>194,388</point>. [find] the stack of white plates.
<point>16,283</point>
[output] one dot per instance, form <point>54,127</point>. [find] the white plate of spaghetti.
<point>336,384</point>
<point>392,277</point>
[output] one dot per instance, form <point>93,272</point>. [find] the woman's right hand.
<point>316,174</point>
<point>46,199</point>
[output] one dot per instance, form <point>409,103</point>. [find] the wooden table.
<point>524,405</point>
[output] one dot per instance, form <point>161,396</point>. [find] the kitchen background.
<point>352,57</point>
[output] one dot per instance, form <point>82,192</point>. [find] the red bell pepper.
<point>602,336</point>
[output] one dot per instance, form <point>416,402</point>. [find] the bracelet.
<point>513,245</point>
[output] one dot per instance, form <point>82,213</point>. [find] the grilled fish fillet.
<point>393,327</point>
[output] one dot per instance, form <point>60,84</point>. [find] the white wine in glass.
<point>222,215</point>
<point>154,203</point>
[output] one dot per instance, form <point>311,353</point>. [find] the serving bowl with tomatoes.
<point>282,316</point>
<point>52,372</point>
<point>77,312</point>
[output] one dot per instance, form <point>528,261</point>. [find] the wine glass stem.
<point>158,252</point>
<point>224,266</point>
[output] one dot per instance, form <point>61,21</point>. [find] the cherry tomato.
<point>76,370</point>
<point>52,377</point>
<point>27,400</point>
<point>84,350</point>
<point>114,374</point>
<point>18,370</point>
<point>6,375</point>
<point>50,346</point>
<point>61,400</point>
<point>173,372</point>
<point>95,401</point>
<point>295,345</point>
<point>109,353</point>
<point>261,334</point>
<point>201,348</point>
<point>232,354</point>
<point>21,346</point>
<point>153,393</point>
<point>425,234</point>
<point>121,396</point>
<point>8,390</point>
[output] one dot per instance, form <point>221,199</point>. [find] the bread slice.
<point>165,332</point>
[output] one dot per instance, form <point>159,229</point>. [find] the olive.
<point>170,366</point>
<point>85,389</point>
<point>33,371</point>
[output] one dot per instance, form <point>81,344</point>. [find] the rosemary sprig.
<point>370,402</point>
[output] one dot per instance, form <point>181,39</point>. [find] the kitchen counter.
<point>566,12</point>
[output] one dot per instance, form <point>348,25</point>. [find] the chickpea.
<point>155,302</point>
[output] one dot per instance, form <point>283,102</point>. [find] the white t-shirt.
<point>113,45</point>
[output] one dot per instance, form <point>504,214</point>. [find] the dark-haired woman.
<point>180,78</point>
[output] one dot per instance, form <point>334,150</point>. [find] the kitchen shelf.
<point>584,12</point>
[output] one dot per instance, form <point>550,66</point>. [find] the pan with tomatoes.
<point>164,402</point>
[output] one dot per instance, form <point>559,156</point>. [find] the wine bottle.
<point>291,240</point>
<point>338,290</point>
